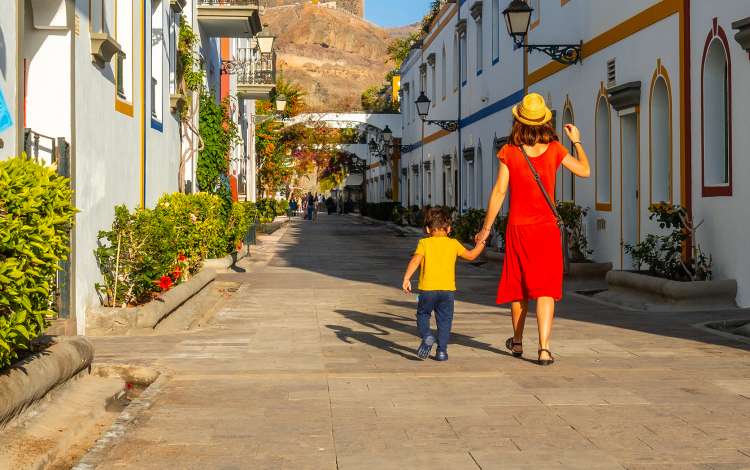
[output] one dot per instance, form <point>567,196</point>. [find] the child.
<point>436,257</point>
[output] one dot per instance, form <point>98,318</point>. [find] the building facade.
<point>92,87</point>
<point>657,98</point>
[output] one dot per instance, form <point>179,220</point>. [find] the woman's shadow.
<point>383,323</point>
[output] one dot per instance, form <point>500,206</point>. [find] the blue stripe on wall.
<point>486,112</point>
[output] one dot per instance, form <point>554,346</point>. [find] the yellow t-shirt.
<point>438,268</point>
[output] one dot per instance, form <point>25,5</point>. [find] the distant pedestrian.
<point>293,207</point>
<point>533,266</point>
<point>310,206</point>
<point>435,257</point>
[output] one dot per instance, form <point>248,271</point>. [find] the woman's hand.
<point>482,236</point>
<point>573,133</point>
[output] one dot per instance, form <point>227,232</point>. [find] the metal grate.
<point>611,73</point>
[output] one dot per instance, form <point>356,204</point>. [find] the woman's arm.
<point>578,166</point>
<point>496,202</point>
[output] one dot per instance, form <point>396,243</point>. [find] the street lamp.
<point>265,42</point>
<point>387,135</point>
<point>423,109</point>
<point>518,19</point>
<point>281,103</point>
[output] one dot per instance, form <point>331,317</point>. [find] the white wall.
<point>8,83</point>
<point>725,219</point>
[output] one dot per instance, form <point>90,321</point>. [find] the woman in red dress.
<point>533,266</point>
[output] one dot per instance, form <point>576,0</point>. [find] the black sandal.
<point>545,362</point>
<point>510,345</point>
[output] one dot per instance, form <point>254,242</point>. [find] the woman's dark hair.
<point>437,218</point>
<point>522,134</point>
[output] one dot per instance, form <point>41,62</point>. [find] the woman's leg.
<point>545,313</point>
<point>518,311</point>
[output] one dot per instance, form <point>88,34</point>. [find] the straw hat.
<point>532,111</point>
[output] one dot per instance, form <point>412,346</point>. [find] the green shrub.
<point>664,254</point>
<point>572,216</point>
<point>468,224</point>
<point>36,214</point>
<point>149,250</point>
<point>268,209</point>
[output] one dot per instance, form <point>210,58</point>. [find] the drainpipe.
<point>459,161</point>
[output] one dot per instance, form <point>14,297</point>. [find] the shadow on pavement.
<point>383,323</point>
<point>349,249</point>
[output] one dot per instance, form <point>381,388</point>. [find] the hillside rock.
<point>331,54</point>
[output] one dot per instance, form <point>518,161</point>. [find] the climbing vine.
<point>219,134</point>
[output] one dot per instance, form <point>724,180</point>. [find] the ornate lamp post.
<point>518,18</point>
<point>423,109</point>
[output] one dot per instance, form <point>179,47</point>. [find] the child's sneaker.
<point>426,347</point>
<point>441,356</point>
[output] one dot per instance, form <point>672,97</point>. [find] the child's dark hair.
<point>437,218</point>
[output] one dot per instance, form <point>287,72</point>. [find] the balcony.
<point>255,73</point>
<point>229,18</point>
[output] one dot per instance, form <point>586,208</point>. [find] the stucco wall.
<point>8,83</point>
<point>725,219</point>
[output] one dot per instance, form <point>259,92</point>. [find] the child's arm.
<point>471,255</point>
<point>416,260</point>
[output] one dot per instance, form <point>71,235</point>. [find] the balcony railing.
<point>255,71</point>
<point>230,3</point>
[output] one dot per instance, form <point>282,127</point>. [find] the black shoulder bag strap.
<point>551,204</point>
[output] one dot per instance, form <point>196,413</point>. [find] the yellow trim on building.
<point>142,128</point>
<point>605,206</point>
<point>660,72</point>
<point>434,34</point>
<point>627,28</point>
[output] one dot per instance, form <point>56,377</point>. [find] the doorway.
<point>630,192</point>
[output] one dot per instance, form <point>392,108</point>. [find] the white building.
<point>657,98</point>
<point>94,82</point>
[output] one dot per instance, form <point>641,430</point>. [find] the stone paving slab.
<point>311,365</point>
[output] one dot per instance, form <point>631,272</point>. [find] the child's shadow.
<point>384,321</point>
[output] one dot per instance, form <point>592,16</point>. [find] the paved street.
<point>311,365</point>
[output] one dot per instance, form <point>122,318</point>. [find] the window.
<point>660,138</point>
<point>464,61</point>
<point>456,64</point>
<point>566,180</point>
<point>603,154</point>
<point>174,25</point>
<point>157,59</point>
<point>479,181</point>
<point>495,31</point>
<point>433,90</point>
<point>716,116</point>
<point>480,46</point>
<point>124,35</point>
<point>444,73</point>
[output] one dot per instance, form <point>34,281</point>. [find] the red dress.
<point>533,264</point>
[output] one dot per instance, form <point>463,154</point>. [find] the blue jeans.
<point>440,302</point>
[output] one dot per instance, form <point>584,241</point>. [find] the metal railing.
<point>253,67</point>
<point>50,150</point>
<point>229,3</point>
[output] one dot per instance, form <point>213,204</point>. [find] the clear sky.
<point>395,12</point>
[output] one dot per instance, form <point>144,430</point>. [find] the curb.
<point>117,430</point>
<point>29,380</point>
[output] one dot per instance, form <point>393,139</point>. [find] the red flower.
<point>181,258</point>
<point>165,283</point>
<point>176,273</point>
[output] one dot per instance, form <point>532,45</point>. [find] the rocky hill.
<point>331,54</point>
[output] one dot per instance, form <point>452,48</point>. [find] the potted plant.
<point>580,264</point>
<point>674,278</point>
